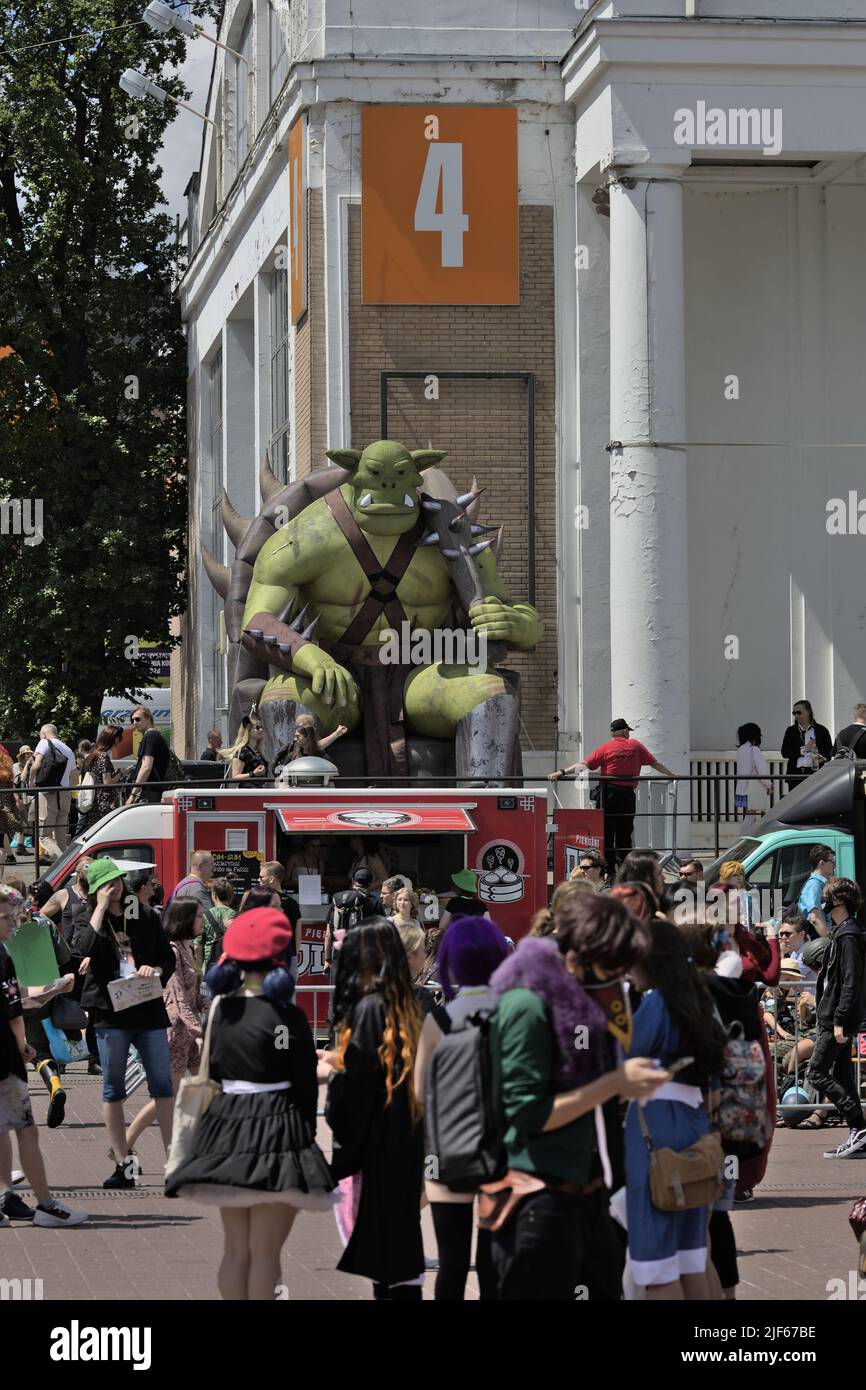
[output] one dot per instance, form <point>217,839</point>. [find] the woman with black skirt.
<point>254,1153</point>
<point>374,1113</point>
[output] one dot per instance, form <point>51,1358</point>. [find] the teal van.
<point>828,808</point>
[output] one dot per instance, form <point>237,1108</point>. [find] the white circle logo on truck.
<point>374,820</point>
<point>500,878</point>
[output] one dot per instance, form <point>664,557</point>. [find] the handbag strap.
<point>204,1064</point>
<point>644,1129</point>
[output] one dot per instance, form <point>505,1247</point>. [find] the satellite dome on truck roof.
<point>308,769</point>
<point>825,798</point>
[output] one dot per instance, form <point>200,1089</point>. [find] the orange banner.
<point>439,205</point>
<point>298,218</point>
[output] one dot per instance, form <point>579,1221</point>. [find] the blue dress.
<point>661,1245</point>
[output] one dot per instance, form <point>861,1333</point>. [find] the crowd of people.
<point>581,1112</point>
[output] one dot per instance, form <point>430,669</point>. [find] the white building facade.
<point>692,315</point>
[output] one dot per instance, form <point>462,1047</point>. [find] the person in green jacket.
<point>216,919</point>
<point>554,1070</point>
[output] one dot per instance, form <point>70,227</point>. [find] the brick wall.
<point>482,424</point>
<point>309,355</point>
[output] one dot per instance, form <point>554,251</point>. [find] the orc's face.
<point>385,500</point>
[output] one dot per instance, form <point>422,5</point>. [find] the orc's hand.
<point>329,680</point>
<point>504,622</point>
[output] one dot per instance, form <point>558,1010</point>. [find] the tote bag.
<point>194,1096</point>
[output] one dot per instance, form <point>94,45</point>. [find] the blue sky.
<point>181,149</point>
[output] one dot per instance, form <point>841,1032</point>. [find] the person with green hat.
<point>116,946</point>
<point>465,903</point>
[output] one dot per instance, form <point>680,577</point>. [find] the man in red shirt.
<point>621,758</point>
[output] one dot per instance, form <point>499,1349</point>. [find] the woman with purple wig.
<point>560,1004</point>
<point>470,951</point>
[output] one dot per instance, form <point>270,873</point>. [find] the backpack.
<point>743,1117</point>
<point>174,768</point>
<point>355,908</point>
<point>460,1122</point>
<point>848,751</point>
<point>52,767</point>
<point>216,949</point>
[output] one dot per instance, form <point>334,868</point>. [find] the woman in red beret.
<point>254,1152</point>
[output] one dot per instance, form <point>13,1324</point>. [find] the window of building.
<point>279,56</point>
<point>279,352</point>
<point>215,417</point>
<point>244,90</point>
<point>217,546</point>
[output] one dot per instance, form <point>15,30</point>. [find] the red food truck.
<point>427,834</point>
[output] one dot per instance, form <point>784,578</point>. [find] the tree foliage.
<point>92,393</point>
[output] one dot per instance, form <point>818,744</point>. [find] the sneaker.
<point>12,1206</point>
<point>58,1215</point>
<point>745,1195</point>
<point>28,843</point>
<point>17,1177</point>
<point>93,1067</point>
<point>123,1175</point>
<point>853,1145</point>
<point>15,843</point>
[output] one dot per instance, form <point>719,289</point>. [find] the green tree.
<point>93,387</point>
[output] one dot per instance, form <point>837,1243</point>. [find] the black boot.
<point>57,1104</point>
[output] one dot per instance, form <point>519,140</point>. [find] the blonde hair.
<point>542,923</point>
<point>860,711</point>
<point>730,869</point>
<point>240,742</point>
<point>413,938</point>
<point>413,897</point>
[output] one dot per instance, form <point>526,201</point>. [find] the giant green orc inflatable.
<point>344,593</point>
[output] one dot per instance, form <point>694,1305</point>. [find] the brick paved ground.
<point>794,1236</point>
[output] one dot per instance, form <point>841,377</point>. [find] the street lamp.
<point>136,85</point>
<point>162,19</point>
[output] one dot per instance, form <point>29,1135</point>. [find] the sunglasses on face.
<point>786,933</point>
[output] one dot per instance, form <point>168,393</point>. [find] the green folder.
<point>32,952</point>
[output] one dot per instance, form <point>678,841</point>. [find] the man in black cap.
<point>621,759</point>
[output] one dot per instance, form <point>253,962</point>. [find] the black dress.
<point>250,760</point>
<point>384,1144</point>
<point>258,1146</point>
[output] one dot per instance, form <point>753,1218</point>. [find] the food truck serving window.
<point>371,820</point>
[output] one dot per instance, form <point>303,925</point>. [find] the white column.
<point>648,511</point>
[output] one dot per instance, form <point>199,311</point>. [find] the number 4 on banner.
<point>445,164</point>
